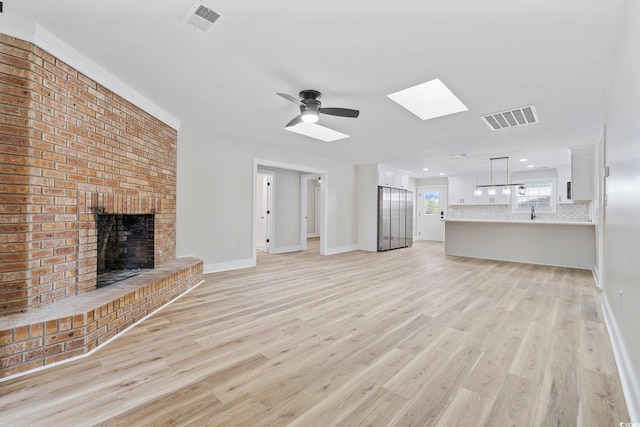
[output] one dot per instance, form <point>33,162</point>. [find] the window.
<point>538,194</point>
<point>432,203</point>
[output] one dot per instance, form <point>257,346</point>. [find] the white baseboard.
<point>340,250</point>
<point>229,265</point>
<point>285,249</point>
<point>628,377</point>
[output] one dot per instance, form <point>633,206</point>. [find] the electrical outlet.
<point>232,244</point>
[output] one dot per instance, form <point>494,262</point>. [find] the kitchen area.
<point>542,216</point>
<point>537,216</point>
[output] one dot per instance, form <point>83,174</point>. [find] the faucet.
<point>533,212</point>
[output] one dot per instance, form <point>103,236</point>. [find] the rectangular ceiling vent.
<point>201,17</point>
<point>512,118</point>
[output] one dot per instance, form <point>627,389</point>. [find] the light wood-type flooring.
<point>406,337</point>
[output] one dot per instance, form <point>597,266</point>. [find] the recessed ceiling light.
<point>459,155</point>
<point>523,160</point>
<point>316,131</point>
<point>441,173</point>
<point>530,166</point>
<point>425,169</point>
<point>429,100</point>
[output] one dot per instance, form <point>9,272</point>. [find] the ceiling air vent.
<point>512,118</point>
<point>202,17</point>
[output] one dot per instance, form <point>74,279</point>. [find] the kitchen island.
<point>555,243</point>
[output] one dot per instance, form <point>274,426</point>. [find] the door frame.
<point>324,227</point>
<point>317,203</point>
<point>419,206</point>
<point>602,173</point>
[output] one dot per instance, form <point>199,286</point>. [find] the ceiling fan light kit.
<point>311,108</point>
<point>309,116</point>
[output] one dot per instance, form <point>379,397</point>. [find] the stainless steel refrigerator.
<point>395,218</point>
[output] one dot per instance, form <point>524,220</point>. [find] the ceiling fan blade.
<point>342,112</point>
<point>291,98</point>
<point>294,121</point>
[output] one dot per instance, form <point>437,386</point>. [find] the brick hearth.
<point>75,326</point>
<point>69,149</point>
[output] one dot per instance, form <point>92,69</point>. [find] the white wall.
<point>622,224</point>
<point>425,182</point>
<point>215,198</point>
<point>16,27</point>
<point>368,207</point>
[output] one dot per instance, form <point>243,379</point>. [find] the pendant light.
<point>506,187</point>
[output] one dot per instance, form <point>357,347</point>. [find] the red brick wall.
<point>69,146</point>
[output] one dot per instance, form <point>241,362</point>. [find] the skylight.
<point>317,131</point>
<point>429,100</point>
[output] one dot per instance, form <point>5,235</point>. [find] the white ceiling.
<point>493,54</point>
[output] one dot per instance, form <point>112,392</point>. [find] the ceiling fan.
<point>311,107</point>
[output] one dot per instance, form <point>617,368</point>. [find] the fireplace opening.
<point>125,246</point>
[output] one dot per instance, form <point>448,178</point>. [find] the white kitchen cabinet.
<point>497,199</point>
<point>385,178</point>
<point>401,180</point>
<point>564,180</point>
<point>389,177</point>
<point>582,173</point>
<point>461,191</point>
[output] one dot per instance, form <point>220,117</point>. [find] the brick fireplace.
<point>72,151</point>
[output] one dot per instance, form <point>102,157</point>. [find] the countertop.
<point>520,221</point>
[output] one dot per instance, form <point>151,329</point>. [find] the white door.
<point>264,209</point>
<point>432,210</point>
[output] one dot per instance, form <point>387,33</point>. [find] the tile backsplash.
<point>578,212</point>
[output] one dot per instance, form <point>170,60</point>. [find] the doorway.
<point>311,212</point>
<point>432,210</point>
<point>284,228</point>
